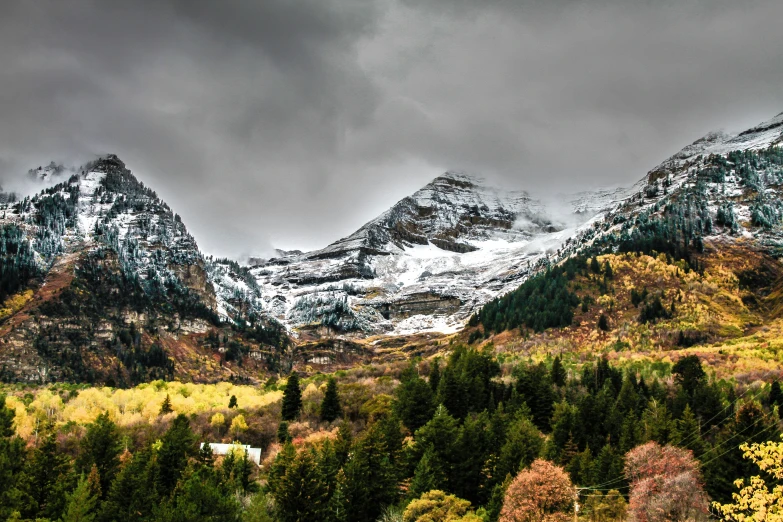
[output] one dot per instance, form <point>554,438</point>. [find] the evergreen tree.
<point>282,433</point>
<point>82,502</point>
<point>258,509</point>
<point>413,400</point>
<point>199,497</point>
<point>166,406</point>
<point>474,446</point>
<point>535,387</point>
<point>369,480</point>
<point>558,372</point>
<point>775,395</point>
<point>330,465</point>
<point>434,377</point>
<point>603,323</point>
<point>101,447</point>
<point>13,493</point>
<point>6,419</point>
<point>657,423</point>
<point>688,373</point>
<point>232,402</point>
<point>177,446</point>
<point>687,433</point>
<point>428,475</point>
<point>301,492</point>
<point>330,405</point>
<point>523,444</point>
<point>292,398</point>
<point>51,478</point>
<point>343,443</point>
<point>133,494</point>
<point>630,436</point>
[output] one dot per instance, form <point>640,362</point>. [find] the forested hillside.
<point>474,435</point>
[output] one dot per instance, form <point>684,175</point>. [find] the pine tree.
<point>292,398</point>
<point>282,433</point>
<point>302,492</point>
<point>413,401</point>
<point>13,494</point>
<point>177,446</point>
<point>232,402</point>
<point>6,419</point>
<point>427,476</point>
<point>81,503</point>
<point>133,494</point>
<point>558,372</point>
<point>688,373</point>
<point>434,377</point>
<point>166,406</point>
<point>199,497</point>
<point>342,446</point>
<point>775,395</point>
<point>603,323</point>
<point>523,444</point>
<point>369,481</point>
<point>330,405</point>
<point>101,447</point>
<point>687,433</point>
<point>51,478</point>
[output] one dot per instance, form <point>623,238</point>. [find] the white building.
<point>253,454</point>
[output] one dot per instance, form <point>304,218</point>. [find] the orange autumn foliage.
<point>543,493</point>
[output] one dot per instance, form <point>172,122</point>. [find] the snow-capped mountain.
<point>103,280</point>
<point>102,205</point>
<point>435,257</point>
<point>426,263</point>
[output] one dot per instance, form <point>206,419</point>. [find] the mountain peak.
<point>459,176</point>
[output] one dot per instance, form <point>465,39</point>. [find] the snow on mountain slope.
<point>427,262</point>
<point>102,205</point>
<point>435,257</point>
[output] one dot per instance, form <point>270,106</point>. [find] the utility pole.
<point>576,503</point>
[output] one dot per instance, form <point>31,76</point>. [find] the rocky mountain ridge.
<point>94,256</point>
<point>97,254</point>
<point>438,255</point>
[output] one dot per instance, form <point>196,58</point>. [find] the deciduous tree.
<point>543,493</point>
<point>758,500</point>
<point>665,484</point>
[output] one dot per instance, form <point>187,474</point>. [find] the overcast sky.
<point>289,123</point>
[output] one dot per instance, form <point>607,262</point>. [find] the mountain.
<point>436,256</point>
<point>426,263</point>
<point>687,263</point>
<point>102,281</point>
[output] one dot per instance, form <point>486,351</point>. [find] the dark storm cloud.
<point>291,122</point>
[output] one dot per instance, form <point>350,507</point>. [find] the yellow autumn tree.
<point>238,425</point>
<point>755,502</point>
<point>218,420</point>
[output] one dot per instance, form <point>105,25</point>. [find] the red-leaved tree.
<point>665,484</point>
<point>543,493</point>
